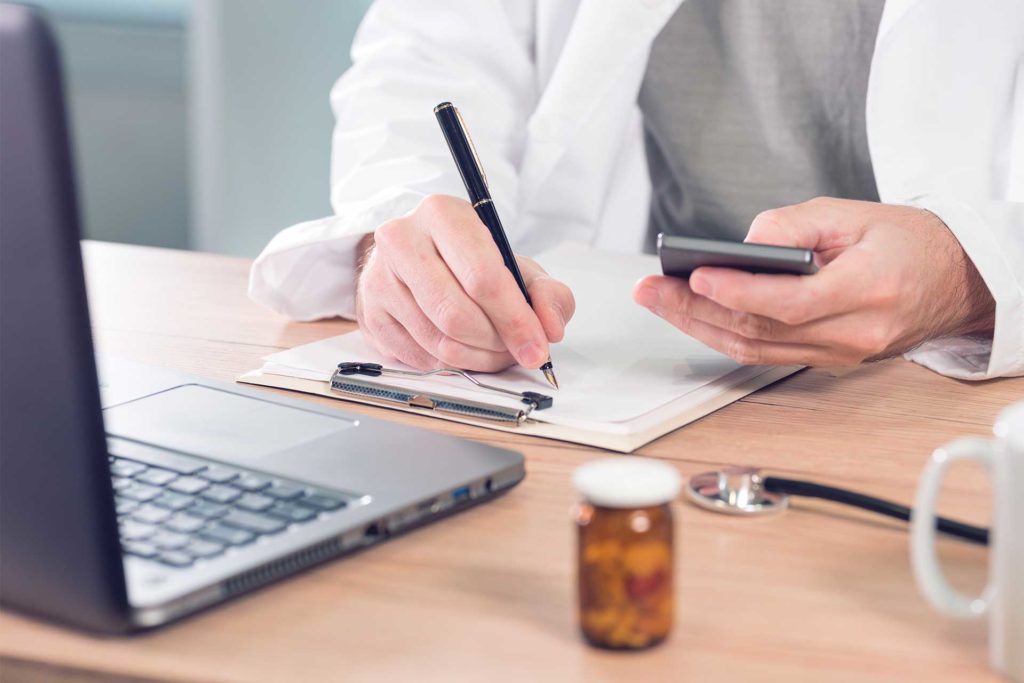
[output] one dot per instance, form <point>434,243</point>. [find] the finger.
<point>672,299</point>
<point>843,285</point>
<point>820,224</point>
<point>391,339</point>
<point>861,334</point>
<point>553,301</point>
<point>411,255</point>
<point>449,352</point>
<point>467,247</point>
<point>754,352</point>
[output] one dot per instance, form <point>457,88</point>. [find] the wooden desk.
<point>817,593</point>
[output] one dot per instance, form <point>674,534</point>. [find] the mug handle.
<point>923,555</point>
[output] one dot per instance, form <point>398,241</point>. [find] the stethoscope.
<point>746,491</point>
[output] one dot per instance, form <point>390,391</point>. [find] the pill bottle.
<point>625,551</point>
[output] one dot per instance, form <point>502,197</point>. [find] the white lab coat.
<point>548,89</point>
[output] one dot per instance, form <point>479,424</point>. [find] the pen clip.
<point>472,146</point>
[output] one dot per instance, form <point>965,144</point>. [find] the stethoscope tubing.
<point>810,489</point>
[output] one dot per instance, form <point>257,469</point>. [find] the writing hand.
<point>433,291</point>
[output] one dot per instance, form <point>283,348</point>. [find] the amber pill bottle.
<point>625,551</point>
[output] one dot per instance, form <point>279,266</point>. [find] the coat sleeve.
<point>387,150</point>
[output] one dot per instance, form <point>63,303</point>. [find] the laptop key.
<point>321,501</point>
<point>188,485</point>
<point>285,491</point>
<point>120,483</point>
<point>126,468</point>
<point>140,492</point>
<point>207,510</point>
<point>139,549</point>
<point>156,476</point>
<point>131,530</point>
<point>197,547</point>
<point>227,535</point>
<point>185,524</point>
<point>250,521</point>
<point>251,482</point>
<point>173,501</point>
<point>292,513</point>
<point>157,458</point>
<point>254,502</point>
<point>169,540</point>
<point>175,558</point>
<point>219,493</point>
<point>218,474</point>
<point>150,514</point>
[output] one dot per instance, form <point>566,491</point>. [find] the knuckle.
<point>793,313</point>
<point>435,206</point>
<point>766,225</point>
<point>453,320</point>
<point>768,218</point>
<point>754,326</point>
<point>452,353</point>
<point>481,283</point>
<point>520,323</point>
<point>391,235</point>
<point>743,351</point>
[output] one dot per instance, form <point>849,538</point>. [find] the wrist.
<point>972,305</point>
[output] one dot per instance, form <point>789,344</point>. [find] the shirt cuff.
<point>308,271</point>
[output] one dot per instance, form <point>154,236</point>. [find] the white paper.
<point>617,362</point>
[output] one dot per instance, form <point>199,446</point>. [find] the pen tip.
<point>549,374</point>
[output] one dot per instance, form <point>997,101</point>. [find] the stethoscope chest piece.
<point>736,491</point>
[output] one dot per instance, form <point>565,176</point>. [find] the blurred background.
<point>202,124</point>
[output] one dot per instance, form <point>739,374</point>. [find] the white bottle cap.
<point>627,482</point>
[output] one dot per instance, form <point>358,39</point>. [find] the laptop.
<point>145,495</point>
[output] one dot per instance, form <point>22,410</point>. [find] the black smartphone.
<point>680,256</point>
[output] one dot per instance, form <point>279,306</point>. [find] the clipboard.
<point>627,377</point>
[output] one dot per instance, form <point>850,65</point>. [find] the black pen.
<point>472,173</point>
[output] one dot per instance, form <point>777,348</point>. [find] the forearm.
<point>970,310</point>
<point>989,339</point>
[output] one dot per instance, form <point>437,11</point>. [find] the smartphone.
<point>680,256</point>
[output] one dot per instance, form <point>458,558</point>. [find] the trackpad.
<point>217,424</point>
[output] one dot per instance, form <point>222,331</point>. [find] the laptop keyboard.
<point>185,509</point>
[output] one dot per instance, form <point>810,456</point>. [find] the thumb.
<point>820,224</point>
<point>786,227</point>
<point>553,301</point>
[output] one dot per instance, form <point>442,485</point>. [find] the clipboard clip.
<point>345,380</point>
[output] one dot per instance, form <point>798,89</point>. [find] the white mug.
<point>1003,598</point>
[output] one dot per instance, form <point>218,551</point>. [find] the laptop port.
<point>460,494</point>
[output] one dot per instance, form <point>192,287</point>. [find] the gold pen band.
<point>482,201</point>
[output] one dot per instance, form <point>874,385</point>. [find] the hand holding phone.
<point>680,256</point>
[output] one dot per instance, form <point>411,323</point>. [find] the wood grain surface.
<point>816,593</point>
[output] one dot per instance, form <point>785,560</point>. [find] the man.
<point>909,113</point>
